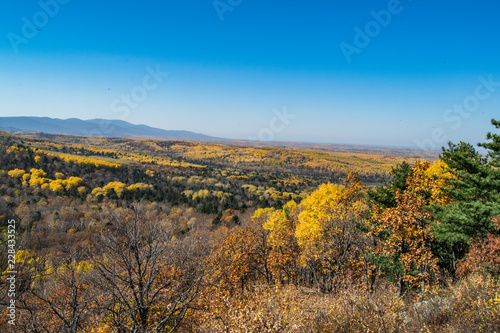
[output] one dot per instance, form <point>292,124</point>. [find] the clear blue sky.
<point>232,62</point>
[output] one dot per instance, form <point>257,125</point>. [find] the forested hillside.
<point>136,235</point>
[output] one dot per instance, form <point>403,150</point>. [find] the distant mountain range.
<point>93,127</point>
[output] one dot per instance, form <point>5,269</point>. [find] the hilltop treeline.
<point>116,235</point>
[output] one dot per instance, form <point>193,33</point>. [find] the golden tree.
<point>285,252</point>
<point>329,231</point>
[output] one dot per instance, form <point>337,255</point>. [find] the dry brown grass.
<point>468,306</point>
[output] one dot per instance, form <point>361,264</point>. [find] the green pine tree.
<point>475,194</point>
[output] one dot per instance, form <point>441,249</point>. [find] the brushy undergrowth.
<point>471,305</point>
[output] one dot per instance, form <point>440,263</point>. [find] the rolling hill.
<point>92,127</point>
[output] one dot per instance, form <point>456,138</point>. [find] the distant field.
<point>320,160</point>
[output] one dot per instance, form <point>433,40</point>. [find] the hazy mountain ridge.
<point>92,127</point>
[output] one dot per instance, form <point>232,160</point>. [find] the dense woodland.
<point>138,235</point>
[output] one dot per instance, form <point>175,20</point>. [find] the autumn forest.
<point>141,235</point>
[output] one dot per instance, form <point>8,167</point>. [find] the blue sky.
<point>233,65</point>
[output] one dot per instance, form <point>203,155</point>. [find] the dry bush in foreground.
<point>472,305</point>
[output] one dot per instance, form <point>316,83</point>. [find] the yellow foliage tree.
<point>38,173</point>
<point>73,182</point>
<point>82,190</point>
<point>329,232</point>
<point>16,173</point>
<point>432,178</point>
<point>57,186</point>
<point>285,252</point>
<point>26,177</point>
